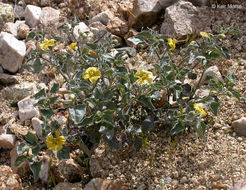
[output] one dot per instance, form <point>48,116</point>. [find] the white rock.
<point>32,15</point>
<point>44,170</point>
<point>212,71</point>
<point>27,109</point>
<point>36,123</point>
<point>6,14</point>
<point>12,52</point>
<point>79,29</point>
<point>7,141</point>
<point>102,17</point>
<point>239,126</point>
<point>144,13</point>
<point>183,15</point>
<point>11,27</point>
<point>49,16</point>
<point>19,12</point>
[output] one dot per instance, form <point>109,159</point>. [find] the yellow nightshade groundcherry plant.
<point>105,99</point>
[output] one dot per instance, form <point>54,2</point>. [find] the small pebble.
<point>175,182</point>
<point>240,139</point>
<point>183,180</point>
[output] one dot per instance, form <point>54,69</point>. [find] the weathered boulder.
<point>144,13</point>
<point>22,31</point>
<point>12,52</point>
<point>9,180</point>
<point>80,29</point>
<point>239,126</point>
<point>17,92</point>
<point>27,109</point>
<point>49,16</point>
<point>117,26</point>
<point>32,15</point>
<point>7,141</point>
<point>102,17</point>
<point>106,184</point>
<point>183,15</point>
<point>7,79</point>
<point>70,170</point>
<point>6,14</point>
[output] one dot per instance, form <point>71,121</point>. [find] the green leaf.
<point>177,128</point>
<point>200,127</point>
<point>88,121</point>
<point>52,100</point>
<point>56,124</point>
<point>192,75</point>
<point>186,89</point>
<point>63,153</point>
<point>40,94</point>
<point>31,36</point>
<point>135,40</point>
<point>37,65</point>
<point>54,88</point>
<point>107,131</point>
<point>35,168</point>
<point>31,138</point>
<point>36,150</point>
<point>146,101</point>
<point>46,113</point>
<point>77,113</point>
<point>19,160</point>
<point>148,124</point>
<point>113,143</point>
<point>20,148</point>
<point>214,107</point>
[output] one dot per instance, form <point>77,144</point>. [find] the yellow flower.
<point>204,34</point>
<point>92,73</point>
<point>171,43</point>
<point>55,143</point>
<point>144,77</point>
<point>47,43</point>
<point>73,46</point>
<point>199,109</point>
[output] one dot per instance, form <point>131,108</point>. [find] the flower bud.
<point>222,36</point>
<point>84,35</point>
<point>72,96</point>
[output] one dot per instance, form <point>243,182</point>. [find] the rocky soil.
<point>182,162</point>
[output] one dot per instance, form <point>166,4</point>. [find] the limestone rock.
<point>19,12</point>
<point>212,71</point>
<point>12,52</point>
<point>70,170</point>
<point>117,26</point>
<point>66,186</point>
<point>49,16</point>
<point>7,141</point>
<point>239,126</point>
<point>19,91</point>
<point>32,15</point>
<point>144,13</point>
<point>36,123</point>
<point>27,109</point>
<point>10,27</point>
<point>9,180</point>
<point>106,184</point>
<point>102,17</point>
<point>7,79</point>
<point>182,16</point>
<point>6,14</point>
<point>22,31</point>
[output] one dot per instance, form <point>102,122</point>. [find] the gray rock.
<point>9,180</point>
<point>19,91</point>
<point>241,185</point>
<point>183,18</point>
<point>1,69</point>
<point>212,71</point>
<point>7,141</point>
<point>11,27</point>
<point>102,17</point>
<point>6,14</point>
<point>106,184</point>
<point>117,26</point>
<point>239,126</point>
<point>66,186</point>
<point>19,12</point>
<point>7,79</point>
<point>32,15</point>
<point>27,109</point>
<point>49,16</point>
<point>44,170</point>
<point>167,3</point>
<point>80,29</point>
<point>12,52</point>
<point>144,13</point>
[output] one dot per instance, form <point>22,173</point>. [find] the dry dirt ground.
<point>187,161</point>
